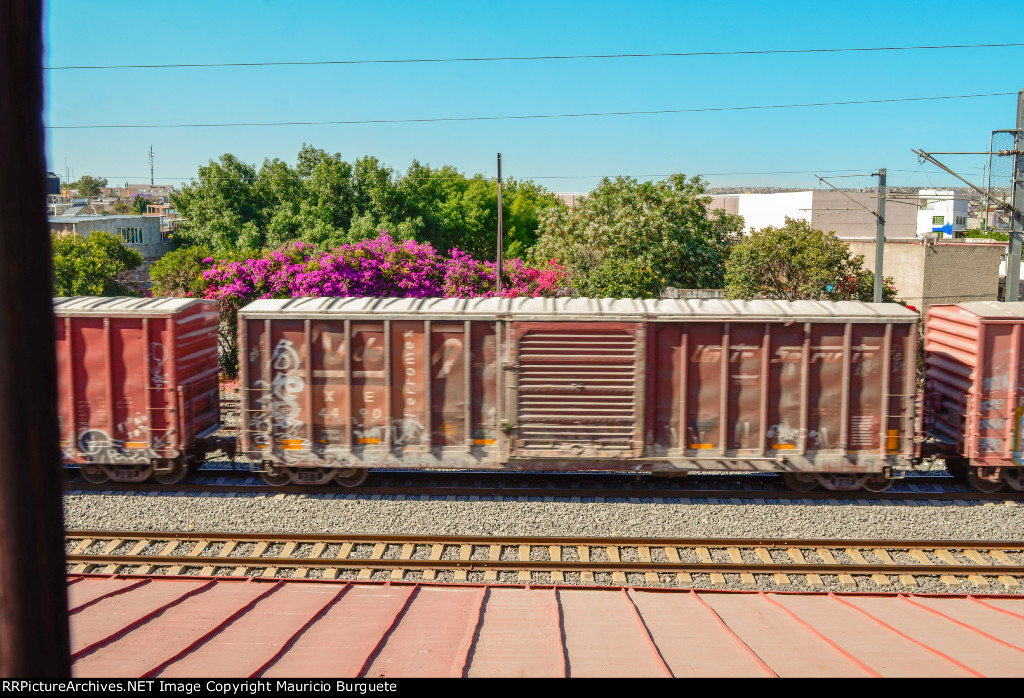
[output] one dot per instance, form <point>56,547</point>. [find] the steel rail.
<point>549,565</point>
<point>597,541</point>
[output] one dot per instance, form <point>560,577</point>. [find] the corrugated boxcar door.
<point>577,388</point>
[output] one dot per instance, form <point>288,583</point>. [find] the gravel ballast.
<point>368,514</point>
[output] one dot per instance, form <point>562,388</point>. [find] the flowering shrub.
<point>379,267</point>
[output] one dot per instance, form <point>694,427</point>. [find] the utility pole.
<point>150,165</point>
<point>1017,202</point>
<point>880,235</point>
<point>879,225</point>
<point>501,251</point>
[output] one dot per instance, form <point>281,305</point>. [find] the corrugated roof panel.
<point>994,309</point>
<point>623,309</point>
<point>232,627</point>
<point>80,305</point>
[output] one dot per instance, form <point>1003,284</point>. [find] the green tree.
<point>180,272</point>
<point>448,209</point>
<point>92,266</point>
<point>631,239</point>
<point>224,209</point>
<point>798,262</point>
<point>139,202</point>
<point>327,201</point>
<point>88,186</point>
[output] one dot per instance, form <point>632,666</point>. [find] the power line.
<point>529,116</point>
<point>689,54</point>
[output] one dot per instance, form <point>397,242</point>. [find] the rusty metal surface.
<point>188,627</point>
<point>974,381</point>
<point>137,377</point>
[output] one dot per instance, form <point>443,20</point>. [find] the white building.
<point>942,212</point>
<point>850,214</point>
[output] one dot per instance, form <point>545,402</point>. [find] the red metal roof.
<point>133,627</point>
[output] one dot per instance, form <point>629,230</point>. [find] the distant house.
<point>157,193</point>
<point>942,212</point>
<point>141,233</point>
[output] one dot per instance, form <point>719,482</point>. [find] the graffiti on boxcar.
<point>991,444</point>
<point>287,385</point>
<point>998,371</point>
<point>447,354</point>
<point>407,430</point>
<point>96,446</point>
<point>992,406</point>
<point>784,434</point>
<point>134,427</point>
<point>157,378</point>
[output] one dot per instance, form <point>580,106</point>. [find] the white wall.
<point>763,210</point>
<point>952,208</point>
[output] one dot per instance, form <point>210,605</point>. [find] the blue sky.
<point>764,147</point>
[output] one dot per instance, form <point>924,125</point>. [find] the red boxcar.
<point>822,391</point>
<point>137,384</point>
<point>974,388</point>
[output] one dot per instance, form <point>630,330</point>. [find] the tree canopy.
<point>797,261</point>
<point>631,239</point>
<point>91,266</point>
<point>88,186</point>
<point>325,201</point>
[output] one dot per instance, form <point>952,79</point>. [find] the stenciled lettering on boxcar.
<point>329,392</point>
<point>368,399</point>
<point>408,429</point>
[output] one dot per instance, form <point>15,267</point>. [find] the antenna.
<point>150,165</point>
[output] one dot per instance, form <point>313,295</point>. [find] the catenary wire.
<point>688,54</point>
<point>531,116</point>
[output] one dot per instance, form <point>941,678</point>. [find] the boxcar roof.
<point>611,309</point>
<point>82,305</point>
<point>994,310</point>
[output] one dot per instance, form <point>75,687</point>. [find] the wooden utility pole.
<point>33,585</point>
<point>501,233</point>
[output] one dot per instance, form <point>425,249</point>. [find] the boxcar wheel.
<point>877,483</point>
<point>975,480</point>
<point>93,473</point>
<point>352,477</point>
<point>177,473</point>
<point>957,467</point>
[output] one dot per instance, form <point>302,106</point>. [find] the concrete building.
<point>941,212</point>
<point>824,210</point>
<point>927,273</point>
<point>141,233</point>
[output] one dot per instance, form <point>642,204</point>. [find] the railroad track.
<point>712,488</point>
<point>618,561</point>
